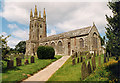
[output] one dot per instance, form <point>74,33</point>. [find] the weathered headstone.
<point>99,60</point>
<point>10,64</point>
<point>32,59</point>
<point>93,63</point>
<point>76,54</point>
<point>88,68</point>
<point>78,60</point>
<point>18,61</point>
<point>73,61</point>
<point>104,58</point>
<point>83,71</point>
<point>81,59</point>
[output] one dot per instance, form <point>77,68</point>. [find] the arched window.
<point>81,43</point>
<point>59,47</point>
<point>40,25</point>
<point>40,36</point>
<point>53,44</point>
<point>46,44</point>
<point>95,41</point>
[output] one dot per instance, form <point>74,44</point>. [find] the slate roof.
<point>69,34</point>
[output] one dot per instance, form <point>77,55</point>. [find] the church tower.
<point>37,29</point>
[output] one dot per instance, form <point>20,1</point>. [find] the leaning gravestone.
<point>73,61</point>
<point>104,58</point>
<point>88,68</point>
<point>78,60</point>
<point>93,63</point>
<point>10,64</point>
<point>99,60</point>
<point>81,59</point>
<point>18,61</point>
<point>83,71</point>
<point>32,59</point>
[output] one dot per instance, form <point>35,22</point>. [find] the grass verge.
<point>22,72</point>
<point>68,72</point>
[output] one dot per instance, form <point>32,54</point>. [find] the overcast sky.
<point>61,17</point>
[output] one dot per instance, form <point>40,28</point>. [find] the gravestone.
<point>76,54</point>
<point>83,71</point>
<point>81,59</point>
<point>104,58</point>
<point>97,53</point>
<point>18,61</point>
<point>10,64</point>
<point>93,63</point>
<point>73,61</point>
<point>99,60</point>
<point>32,59</point>
<point>78,60</point>
<point>89,71</point>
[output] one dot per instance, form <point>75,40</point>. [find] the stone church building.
<point>84,39</point>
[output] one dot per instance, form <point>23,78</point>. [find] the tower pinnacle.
<point>31,15</point>
<point>39,14</point>
<point>35,13</point>
<point>44,13</point>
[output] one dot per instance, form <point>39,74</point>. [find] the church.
<point>83,39</point>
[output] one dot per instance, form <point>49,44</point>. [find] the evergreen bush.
<point>45,52</point>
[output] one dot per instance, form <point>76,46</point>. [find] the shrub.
<point>45,52</point>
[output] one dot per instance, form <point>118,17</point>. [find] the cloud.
<point>65,16</point>
<point>12,26</point>
<point>3,33</point>
<point>53,32</point>
<point>12,42</point>
<point>22,34</point>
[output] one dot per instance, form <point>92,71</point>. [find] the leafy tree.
<point>21,47</point>
<point>102,40</point>
<point>113,29</point>
<point>5,49</point>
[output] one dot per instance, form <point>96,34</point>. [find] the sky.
<point>62,16</point>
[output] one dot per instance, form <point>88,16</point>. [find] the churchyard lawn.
<point>69,72</point>
<point>18,73</point>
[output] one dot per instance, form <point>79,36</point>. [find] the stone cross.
<point>93,63</point>
<point>18,61</point>
<point>32,59</point>
<point>83,71</point>
<point>73,61</point>
<point>88,68</point>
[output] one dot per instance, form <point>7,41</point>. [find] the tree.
<point>21,47</point>
<point>4,47</point>
<point>113,29</point>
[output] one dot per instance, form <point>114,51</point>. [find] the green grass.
<point>107,72</point>
<point>19,73</point>
<point>68,72</point>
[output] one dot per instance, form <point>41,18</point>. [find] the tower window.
<point>40,26</point>
<point>40,36</point>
